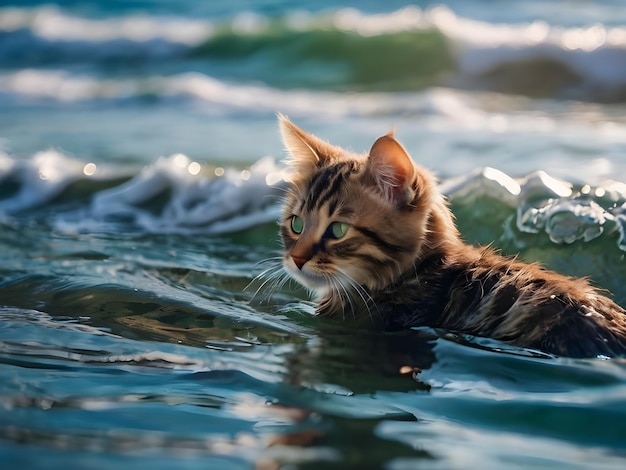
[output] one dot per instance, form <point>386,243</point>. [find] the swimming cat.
<point>372,235</point>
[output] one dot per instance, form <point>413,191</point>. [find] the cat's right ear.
<point>306,152</point>
<point>391,167</point>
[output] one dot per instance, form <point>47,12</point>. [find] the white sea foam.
<point>65,86</point>
<point>57,85</point>
<point>436,108</point>
<point>178,195</point>
<point>237,200</point>
<point>52,24</point>
<point>483,182</point>
<point>595,52</point>
<point>40,179</point>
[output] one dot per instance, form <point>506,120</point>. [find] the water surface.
<point>139,189</point>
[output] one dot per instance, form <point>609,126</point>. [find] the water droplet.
<point>89,169</point>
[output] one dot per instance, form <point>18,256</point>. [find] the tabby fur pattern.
<point>372,235</point>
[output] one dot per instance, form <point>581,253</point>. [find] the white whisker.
<point>273,278</point>
<point>339,286</point>
<point>365,297</point>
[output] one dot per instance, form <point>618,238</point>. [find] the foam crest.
<point>268,99</point>
<point>483,182</point>
<point>57,85</point>
<point>545,204</point>
<point>242,200</point>
<point>594,55</point>
<point>36,181</point>
<point>174,195</point>
<point>178,195</point>
<point>66,87</point>
<point>481,33</point>
<point>406,19</point>
<point>436,108</point>
<point>51,24</point>
<point>535,58</point>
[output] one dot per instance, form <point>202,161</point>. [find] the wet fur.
<point>404,264</point>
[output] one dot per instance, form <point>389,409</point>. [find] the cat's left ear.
<point>306,151</point>
<point>392,168</point>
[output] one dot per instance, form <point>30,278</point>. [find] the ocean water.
<point>140,178</point>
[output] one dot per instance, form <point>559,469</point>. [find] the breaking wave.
<point>409,49</point>
<point>178,195</point>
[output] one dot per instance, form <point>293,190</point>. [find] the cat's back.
<point>480,292</point>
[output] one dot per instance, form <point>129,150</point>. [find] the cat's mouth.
<point>309,278</point>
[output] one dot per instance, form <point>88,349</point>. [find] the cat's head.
<point>356,220</point>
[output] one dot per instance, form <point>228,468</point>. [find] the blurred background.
<point>519,85</point>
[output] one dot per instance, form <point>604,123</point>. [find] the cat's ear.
<point>305,150</point>
<point>392,169</point>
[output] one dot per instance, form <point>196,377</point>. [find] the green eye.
<point>297,224</point>
<point>339,229</point>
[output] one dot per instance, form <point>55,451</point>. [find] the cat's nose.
<point>300,261</point>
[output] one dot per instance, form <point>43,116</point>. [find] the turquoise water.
<point>140,177</point>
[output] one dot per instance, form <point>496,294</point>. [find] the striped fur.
<point>403,263</point>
